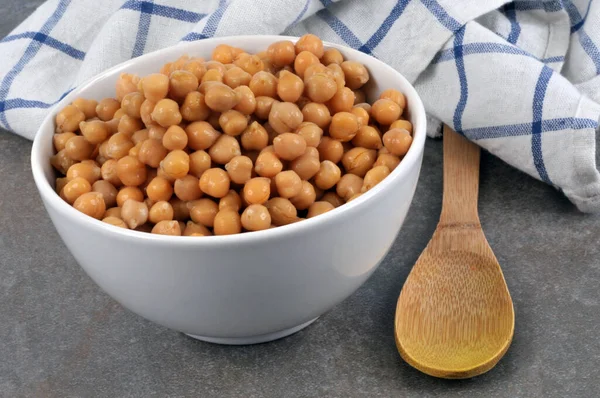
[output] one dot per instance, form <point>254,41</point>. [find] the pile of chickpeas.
<point>240,142</point>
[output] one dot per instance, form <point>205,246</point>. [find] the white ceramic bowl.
<point>246,288</point>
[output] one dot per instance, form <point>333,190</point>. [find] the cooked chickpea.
<point>181,83</point>
<point>344,126</point>
<point>263,84</point>
<point>155,86</point>
<point>311,133</point>
<point>320,87</point>
<point>131,171</point>
<point>328,175</point>
<point>227,222</point>
<point>289,146</point>
<point>187,188</point>
<point>385,111</point>
<point>282,53</point>
<point>388,160</point>
<point>167,228</point>
<point>231,201</point>
<point>282,211</point>
<point>176,164</point>
<point>397,141</point>
<point>247,102</point>
<point>319,208</point>
<point>257,190</point>
<point>175,138</point>
<point>224,149</point>
<point>402,124</point>
<point>113,212</point>
<point>200,161</point>
<point>359,160</point>
<point>332,56</point>
<point>132,104</point>
<point>129,193</point>
<point>203,211</point>
<point>194,107</point>
<point>61,161</point>
<point>239,169</point>
<point>307,165</point>
<point>250,63</point>
<point>159,189</point>
<point>166,113</point>
<point>374,177</point>
<point>349,185</point>
<point>330,149</point>
<point>221,98</point>
<point>236,77</point>
<point>362,115</point>
<point>267,164</point>
<point>256,218</point>
<point>314,69</point>
<point>254,137</point>
<point>128,125</point>
<point>367,137</point>
<point>194,229</point>
<point>68,119</point>
<point>117,222</point>
<point>60,140</point>
<point>233,122</point>
<point>146,112</point>
<point>289,87</point>
<point>338,75</point>
<point>106,108</point>
<point>195,67</point>
<point>355,73</point>
<point>108,171</point>
<point>223,53</point>
<point>152,152</point>
<point>94,131</point>
<point>89,171</point>
<point>134,213</point>
<point>118,146</point>
<point>288,184</point>
<point>305,198</point>
<point>140,136</point>
<point>215,182</point>
<point>201,135</point>
<point>60,184</point>
<point>285,117</point>
<point>310,42</point>
<point>317,113</point>
<point>263,107</point>
<point>303,60</point>
<point>395,96</point>
<point>91,204</point>
<point>75,188</point>
<point>108,191</point>
<point>127,83</point>
<point>342,101</point>
<point>160,211</point>
<point>87,106</point>
<point>333,198</point>
<point>78,148</point>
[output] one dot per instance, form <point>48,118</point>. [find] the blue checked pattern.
<point>480,66</point>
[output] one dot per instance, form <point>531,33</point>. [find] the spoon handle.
<point>461,180</point>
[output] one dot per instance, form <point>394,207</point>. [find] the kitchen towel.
<point>520,78</point>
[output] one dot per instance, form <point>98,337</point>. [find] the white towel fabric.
<point>520,78</point>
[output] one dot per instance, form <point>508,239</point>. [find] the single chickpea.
<point>119,113</point>
<point>126,193</point>
<point>223,53</point>
<point>176,164</point>
<point>127,83</point>
<point>181,211</point>
<point>117,222</point>
<point>204,87</point>
<point>319,208</point>
<point>356,74</point>
<point>305,198</point>
<point>328,175</point>
<point>288,184</point>
<point>307,165</point>
<point>256,218</point>
<point>155,87</point>
<point>159,189</point>
<point>317,68</point>
<point>285,117</point>
<point>200,161</point>
<point>195,67</point>
<point>338,75</point>
<point>332,56</point>
<point>263,84</point>
<point>75,188</point>
<point>87,106</point>
<point>289,87</point>
<point>140,136</point>
<point>402,124</point>
<point>201,135</point>
<point>152,152</point>
<point>367,137</point>
<point>239,169</point>
<point>247,103</point>
<point>395,96</point>
<point>374,177</point>
<point>362,115</point>
<point>108,191</point>
<point>131,171</point>
<point>282,211</point>
<point>333,198</point>
<point>132,104</point>
<point>257,190</point>
<point>215,182</point>
<point>267,164</point>
<point>344,126</point>
<point>146,112</point>
<point>113,212</point>
<point>187,188</point>
<point>348,186</point>
<point>250,63</point>
<point>289,146</point>
<point>89,171</point>
<point>78,148</point>
<point>95,131</point>
<point>203,211</point>
<point>194,229</point>
<point>224,149</point>
<point>263,107</point>
<point>91,204</point>
<point>282,53</point>
<point>134,213</point>
<point>385,111</point>
<point>167,228</point>
<point>317,113</point>
<point>118,146</point>
<point>397,141</point>
<point>194,107</point>
<point>61,161</point>
<point>175,138</point>
<point>233,122</point>
<point>227,222</point>
<point>160,211</point>
<point>311,133</point>
<point>166,113</point>
<point>303,60</point>
<point>359,160</point>
<point>311,43</point>
<point>255,137</point>
<point>60,140</point>
<point>68,119</point>
<point>129,125</point>
<point>231,201</point>
<point>236,77</point>
<point>320,87</point>
<point>106,108</point>
<point>108,172</point>
<point>330,149</point>
<point>181,83</point>
<point>388,160</point>
<point>221,98</point>
<point>342,101</point>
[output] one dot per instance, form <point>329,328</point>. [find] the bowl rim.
<point>51,198</point>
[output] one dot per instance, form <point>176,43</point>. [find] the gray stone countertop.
<point>61,336</point>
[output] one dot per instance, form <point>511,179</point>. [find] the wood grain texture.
<point>455,317</point>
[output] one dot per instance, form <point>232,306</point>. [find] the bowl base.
<point>261,338</point>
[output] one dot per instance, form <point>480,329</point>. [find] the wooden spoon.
<point>455,317</point>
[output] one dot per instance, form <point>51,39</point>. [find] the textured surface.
<point>60,336</point>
